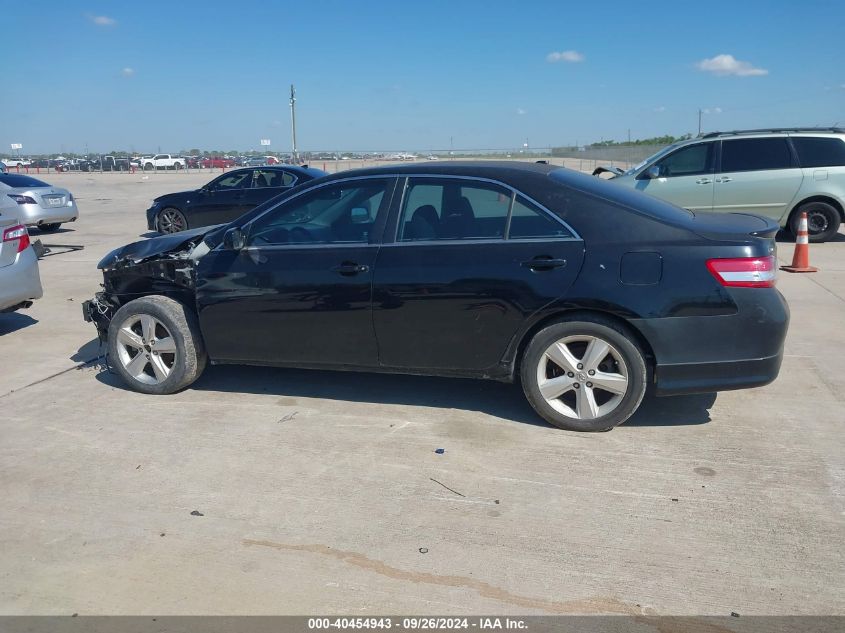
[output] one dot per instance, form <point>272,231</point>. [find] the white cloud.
<point>660,109</point>
<point>520,111</point>
<point>102,20</point>
<point>711,111</point>
<point>127,72</point>
<point>728,65</point>
<point>565,56</point>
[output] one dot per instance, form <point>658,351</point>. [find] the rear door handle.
<point>724,179</point>
<point>544,263</point>
<point>703,181</point>
<point>350,268</point>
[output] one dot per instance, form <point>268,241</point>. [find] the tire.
<point>135,330</point>
<point>149,167</point>
<point>171,220</point>
<point>49,228</point>
<point>177,166</point>
<point>622,367</point>
<point>822,221</point>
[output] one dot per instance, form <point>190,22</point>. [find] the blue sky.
<point>410,75</point>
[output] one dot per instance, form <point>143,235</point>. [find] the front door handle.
<point>703,181</point>
<point>544,263</point>
<point>350,268</point>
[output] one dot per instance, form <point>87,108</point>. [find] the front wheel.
<point>822,221</point>
<point>584,375</point>
<point>149,167</point>
<point>171,220</point>
<point>155,344</point>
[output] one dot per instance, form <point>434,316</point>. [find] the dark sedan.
<point>585,292</point>
<point>224,198</point>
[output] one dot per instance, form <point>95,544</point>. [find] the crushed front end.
<point>158,266</point>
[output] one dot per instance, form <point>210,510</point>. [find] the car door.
<point>471,260</point>
<point>299,292</point>
<point>222,200</point>
<point>757,175</point>
<point>684,177</point>
<point>267,184</point>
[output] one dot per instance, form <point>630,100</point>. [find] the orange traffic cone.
<point>801,258</point>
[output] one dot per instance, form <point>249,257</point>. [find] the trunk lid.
<point>730,226</point>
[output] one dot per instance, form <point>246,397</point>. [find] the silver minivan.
<point>775,173</point>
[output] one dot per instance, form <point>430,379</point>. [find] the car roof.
<point>493,169</point>
<point>821,131</point>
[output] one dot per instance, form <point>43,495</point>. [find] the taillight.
<point>17,232</point>
<point>744,272</point>
<point>21,199</point>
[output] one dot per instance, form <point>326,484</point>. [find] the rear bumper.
<point>20,282</point>
<point>33,214</point>
<point>720,353</point>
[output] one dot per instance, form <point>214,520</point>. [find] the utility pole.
<point>699,121</point>
<point>293,121</point>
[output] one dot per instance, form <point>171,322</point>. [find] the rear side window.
<point>819,152</point>
<point>756,154</point>
<point>527,221</point>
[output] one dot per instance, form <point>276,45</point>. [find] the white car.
<point>17,162</point>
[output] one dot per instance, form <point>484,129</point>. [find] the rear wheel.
<point>49,228</point>
<point>822,221</point>
<point>177,166</point>
<point>171,220</point>
<point>584,375</point>
<point>155,345</point>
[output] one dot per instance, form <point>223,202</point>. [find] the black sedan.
<point>584,292</point>
<point>224,198</point>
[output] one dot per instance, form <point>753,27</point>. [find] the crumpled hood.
<point>155,246</point>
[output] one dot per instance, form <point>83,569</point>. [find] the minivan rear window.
<point>756,154</point>
<point>819,151</point>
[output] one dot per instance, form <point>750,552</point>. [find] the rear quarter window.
<point>819,152</point>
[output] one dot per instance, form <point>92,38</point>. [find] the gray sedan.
<point>38,204</point>
<point>20,282</point>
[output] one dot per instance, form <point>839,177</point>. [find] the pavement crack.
<point>81,365</point>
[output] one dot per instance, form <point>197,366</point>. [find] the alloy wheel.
<point>582,377</point>
<point>146,349</point>
<point>171,221</point>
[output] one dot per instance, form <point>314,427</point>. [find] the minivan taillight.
<point>17,232</point>
<point>744,272</point>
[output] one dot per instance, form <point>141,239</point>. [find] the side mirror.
<point>359,215</point>
<point>234,239</point>
<point>652,172</point>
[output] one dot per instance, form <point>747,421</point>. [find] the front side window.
<point>342,213</point>
<point>756,154</point>
<point>819,151</point>
<point>235,180</point>
<point>691,160</point>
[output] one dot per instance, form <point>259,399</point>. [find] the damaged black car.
<point>584,292</point>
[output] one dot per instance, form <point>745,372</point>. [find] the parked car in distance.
<point>115,163</point>
<point>217,162</point>
<point>224,198</point>
<point>163,161</point>
<point>38,204</point>
<point>20,283</point>
<point>777,173</point>
<point>17,162</point>
<point>585,292</point>
<point>256,161</point>
<point>3,168</point>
